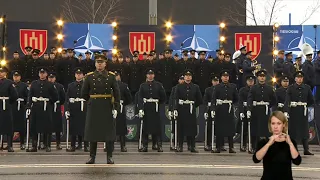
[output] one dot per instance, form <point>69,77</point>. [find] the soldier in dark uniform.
<point>88,64</point>
<point>151,96</point>
<point>47,62</point>
<point>316,64</point>
<point>186,99</point>
<point>224,96</point>
<point>185,63</point>
<point>113,64</point>
<point>171,106</point>
<point>261,98</point>
<point>76,109</point>
<point>135,75</point>
<point>175,68</point>
<point>126,70</point>
<point>106,54</point>
<point>288,67</point>
<point>101,90</point>
<point>25,61</point>
<point>239,64</point>
<point>16,64</point>
<point>309,71</point>
<point>56,114</point>
<point>230,67</point>
<point>121,122</point>
<point>65,68</point>
<point>298,63</point>
<point>8,96</point>
<point>202,71</point>
<point>248,67</point>
<point>298,99</point>
<point>243,96</point>
<point>192,57</point>
<point>42,96</point>
<point>33,64</point>
<point>19,108</point>
<point>207,116</point>
<point>218,64</point>
<point>278,66</point>
<point>281,92</point>
<point>161,57</point>
<point>165,72</point>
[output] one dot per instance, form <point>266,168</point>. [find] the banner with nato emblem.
<point>88,37</point>
<point>37,35</point>
<point>140,38</point>
<point>196,37</point>
<point>258,39</point>
<point>293,37</point>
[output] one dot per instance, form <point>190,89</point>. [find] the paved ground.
<point>60,165</point>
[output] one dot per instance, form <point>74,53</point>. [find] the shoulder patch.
<point>89,73</point>
<point>111,73</point>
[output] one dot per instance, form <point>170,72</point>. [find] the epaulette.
<point>111,73</point>
<point>89,73</point>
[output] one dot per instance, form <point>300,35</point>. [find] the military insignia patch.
<point>132,131</point>
<point>130,112</point>
<point>168,131</point>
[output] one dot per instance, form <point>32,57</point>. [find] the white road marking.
<point>146,166</point>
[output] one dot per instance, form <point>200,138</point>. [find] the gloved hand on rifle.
<point>67,114</point>
<point>28,112</point>
<point>206,116</point>
<point>170,114</point>
<point>213,114</point>
<point>114,114</point>
<point>141,114</point>
<point>242,116</point>
<point>175,113</point>
<point>286,114</point>
<point>248,114</point>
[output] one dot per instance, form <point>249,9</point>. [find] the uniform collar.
<point>299,86</point>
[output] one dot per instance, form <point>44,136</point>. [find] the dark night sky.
<point>181,11</point>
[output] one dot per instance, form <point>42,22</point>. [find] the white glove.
<point>114,113</point>
<point>286,114</point>
<point>213,114</point>
<point>175,113</point>
<point>170,114</point>
<point>28,111</point>
<point>248,114</point>
<point>141,113</point>
<point>206,115</point>
<point>67,114</point>
<point>242,116</point>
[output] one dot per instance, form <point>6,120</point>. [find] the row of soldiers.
<point>167,66</point>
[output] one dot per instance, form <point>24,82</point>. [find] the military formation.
<point>37,94</point>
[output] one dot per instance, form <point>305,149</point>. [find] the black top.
<point>277,161</point>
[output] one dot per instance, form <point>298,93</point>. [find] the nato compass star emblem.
<point>298,49</point>
<point>91,43</point>
<point>196,43</point>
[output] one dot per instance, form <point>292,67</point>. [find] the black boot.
<point>72,149</point>
<point>123,144</point>
<point>306,148</point>
<point>193,145</point>
<point>160,146</point>
<point>231,149</point>
<point>207,148</point>
<point>22,146</point>
<point>180,146</point>
<point>189,143</point>
<point>93,152</point>
<point>48,149</point>
<point>9,141</point>
<point>86,146</point>
<point>34,144</point>
<point>79,147</point>
<point>109,152</point>
<point>58,141</point>
<point>154,142</point>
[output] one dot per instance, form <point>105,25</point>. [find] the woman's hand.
<point>288,139</point>
<point>281,138</point>
<point>272,139</point>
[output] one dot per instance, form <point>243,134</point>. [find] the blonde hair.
<point>279,115</point>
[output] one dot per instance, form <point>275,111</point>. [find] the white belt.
<point>44,100</point>
<point>151,100</point>
<point>81,100</point>
<point>55,106</point>
<point>261,103</point>
<point>121,106</point>
<point>4,102</point>
<point>19,100</point>
<point>220,102</point>
<point>280,105</point>
<point>182,102</point>
<point>295,104</point>
<point>245,104</point>
<point>209,104</point>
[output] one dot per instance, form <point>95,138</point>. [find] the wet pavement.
<point>62,165</point>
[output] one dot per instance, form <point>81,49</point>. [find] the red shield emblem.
<point>144,42</point>
<point>37,39</point>
<point>251,40</point>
